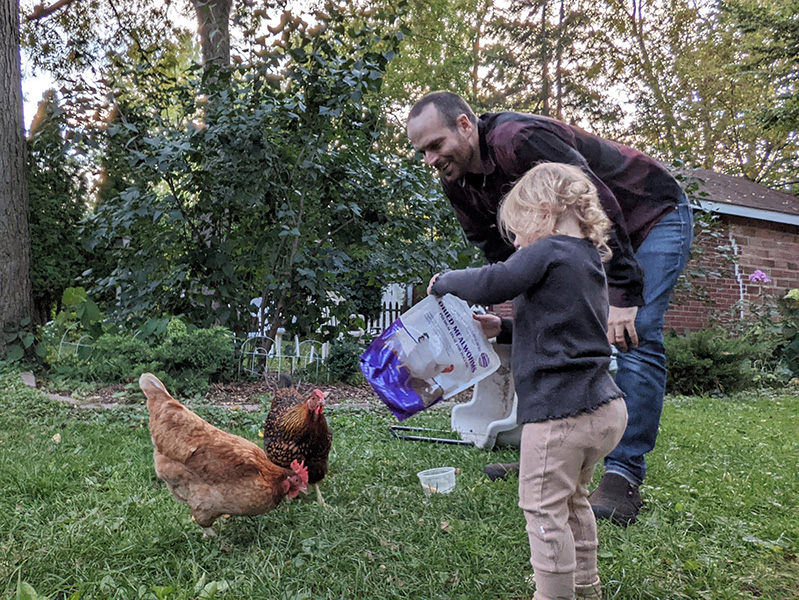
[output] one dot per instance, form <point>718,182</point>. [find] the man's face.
<point>451,151</point>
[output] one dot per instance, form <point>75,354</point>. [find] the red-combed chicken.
<point>296,430</point>
<point>214,472</point>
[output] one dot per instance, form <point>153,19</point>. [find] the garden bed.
<point>239,395</point>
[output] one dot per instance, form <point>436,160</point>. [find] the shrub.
<point>67,370</point>
<point>708,360</point>
<point>311,373</point>
<point>193,358</point>
<point>771,330</point>
<point>789,311</point>
<point>119,358</point>
<point>187,360</point>
<point>344,359</point>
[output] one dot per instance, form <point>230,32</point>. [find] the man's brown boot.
<point>501,470</point>
<point>616,499</point>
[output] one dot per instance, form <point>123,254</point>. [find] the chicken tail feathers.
<point>158,398</point>
<point>284,381</point>
<point>151,385</point>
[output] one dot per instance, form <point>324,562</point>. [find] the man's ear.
<point>464,124</point>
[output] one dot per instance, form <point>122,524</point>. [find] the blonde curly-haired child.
<point>572,412</point>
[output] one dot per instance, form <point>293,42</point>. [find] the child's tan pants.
<point>556,465</point>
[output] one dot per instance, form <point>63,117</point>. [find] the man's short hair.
<point>450,106</point>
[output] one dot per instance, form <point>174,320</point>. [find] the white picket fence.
<point>390,313</point>
<point>261,354</point>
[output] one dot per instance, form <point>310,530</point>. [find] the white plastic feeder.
<point>489,418</point>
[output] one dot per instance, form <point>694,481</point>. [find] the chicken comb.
<point>299,468</point>
<point>316,401</point>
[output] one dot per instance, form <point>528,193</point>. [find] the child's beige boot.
<point>591,591</point>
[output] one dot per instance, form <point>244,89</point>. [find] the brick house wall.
<point>725,294</point>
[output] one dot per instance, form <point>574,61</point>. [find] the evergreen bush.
<point>709,360</point>
<point>193,358</point>
<point>119,357</point>
<point>344,359</point>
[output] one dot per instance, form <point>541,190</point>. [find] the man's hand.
<point>430,285</point>
<point>491,324</point>
<point>621,321</point>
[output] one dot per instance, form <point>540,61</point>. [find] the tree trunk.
<point>652,78</point>
<point>476,56</point>
<point>213,17</point>
<point>16,300</point>
<point>559,61</point>
<point>545,83</point>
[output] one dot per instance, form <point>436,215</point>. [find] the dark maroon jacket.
<point>634,189</point>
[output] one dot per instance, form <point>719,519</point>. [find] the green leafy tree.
<point>57,205</point>
<point>445,47</point>
<point>277,189</point>
<point>678,65</point>
<point>96,32</point>
<point>720,107</point>
<point>640,43</point>
<point>768,38</point>
<point>550,61</point>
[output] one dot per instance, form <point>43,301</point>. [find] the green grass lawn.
<point>82,514</point>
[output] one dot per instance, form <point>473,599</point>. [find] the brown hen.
<point>296,430</point>
<point>212,471</point>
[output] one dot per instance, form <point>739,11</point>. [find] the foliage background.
<point>273,162</point>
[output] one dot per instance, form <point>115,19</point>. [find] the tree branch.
<point>40,11</point>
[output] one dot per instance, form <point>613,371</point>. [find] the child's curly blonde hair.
<point>533,208</point>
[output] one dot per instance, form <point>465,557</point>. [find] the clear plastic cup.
<point>440,480</point>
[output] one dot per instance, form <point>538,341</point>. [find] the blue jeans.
<point>641,371</point>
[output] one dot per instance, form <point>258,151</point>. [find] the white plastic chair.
<point>489,418</point>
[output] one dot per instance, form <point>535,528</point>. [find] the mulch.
<point>239,395</point>
<point>245,394</point>
<point>236,395</point>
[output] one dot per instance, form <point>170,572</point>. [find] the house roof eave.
<point>724,208</point>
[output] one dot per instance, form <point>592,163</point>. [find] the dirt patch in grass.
<point>243,395</point>
<point>237,395</point>
<point>246,394</point>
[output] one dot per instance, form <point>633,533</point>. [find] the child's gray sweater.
<point>560,353</point>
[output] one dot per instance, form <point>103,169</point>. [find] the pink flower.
<point>759,277</point>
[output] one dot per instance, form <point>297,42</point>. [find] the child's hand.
<point>430,285</point>
<point>491,324</point>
